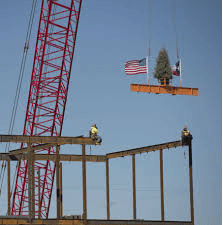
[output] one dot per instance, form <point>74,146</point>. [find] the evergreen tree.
<point>163,69</point>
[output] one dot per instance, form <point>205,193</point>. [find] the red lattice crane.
<point>47,98</point>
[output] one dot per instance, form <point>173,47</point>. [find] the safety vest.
<point>94,130</point>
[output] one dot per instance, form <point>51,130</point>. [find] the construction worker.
<point>93,133</point>
<point>186,137</point>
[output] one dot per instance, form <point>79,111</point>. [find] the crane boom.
<point>47,98</point>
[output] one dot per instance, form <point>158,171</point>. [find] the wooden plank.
<point>159,89</point>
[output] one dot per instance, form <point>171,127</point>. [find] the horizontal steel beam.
<point>47,140</point>
<point>34,148</point>
<point>136,222</point>
<point>4,221</point>
<point>144,149</point>
<point>13,155</point>
<point>160,89</point>
<point>63,157</point>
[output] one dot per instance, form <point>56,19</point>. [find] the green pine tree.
<point>163,69</point>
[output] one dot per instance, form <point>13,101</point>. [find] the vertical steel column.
<point>58,180</point>
<point>191,183</point>
<point>61,191</point>
<point>107,189</point>
<point>161,186</point>
<point>134,186</point>
<point>39,194</point>
<point>29,180</point>
<point>9,193</point>
<point>33,180</point>
<point>84,183</point>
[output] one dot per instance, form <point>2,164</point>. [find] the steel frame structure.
<point>25,153</point>
<point>47,98</point>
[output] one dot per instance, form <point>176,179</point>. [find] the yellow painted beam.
<point>161,89</point>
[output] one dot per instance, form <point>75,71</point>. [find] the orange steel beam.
<point>161,89</point>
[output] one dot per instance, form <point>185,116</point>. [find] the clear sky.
<point>111,33</point>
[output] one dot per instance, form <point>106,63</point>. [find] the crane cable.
<point>177,49</point>
<point>18,88</point>
<point>175,27</point>
<point>150,25</point>
<point>150,37</point>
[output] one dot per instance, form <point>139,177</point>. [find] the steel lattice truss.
<point>47,95</point>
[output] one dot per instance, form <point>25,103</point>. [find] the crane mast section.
<point>47,98</point>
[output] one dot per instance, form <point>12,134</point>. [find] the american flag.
<point>134,67</point>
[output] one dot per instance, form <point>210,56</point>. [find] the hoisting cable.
<point>150,37</point>
<point>175,30</point>
<point>175,27</point>
<point>18,88</point>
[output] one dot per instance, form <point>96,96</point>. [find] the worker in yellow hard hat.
<point>186,137</point>
<point>93,133</point>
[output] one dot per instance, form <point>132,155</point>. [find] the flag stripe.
<point>135,67</point>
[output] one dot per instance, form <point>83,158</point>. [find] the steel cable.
<point>175,27</point>
<point>18,88</point>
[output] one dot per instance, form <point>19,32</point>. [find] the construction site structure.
<point>31,154</point>
<point>38,157</point>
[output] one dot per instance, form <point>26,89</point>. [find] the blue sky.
<point>111,33</point>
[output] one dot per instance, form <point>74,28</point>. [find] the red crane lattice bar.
<point>47,95</point>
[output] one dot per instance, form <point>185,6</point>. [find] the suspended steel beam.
<point>47,139</point>
<point>160,89</point>
<point>144,149</point>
